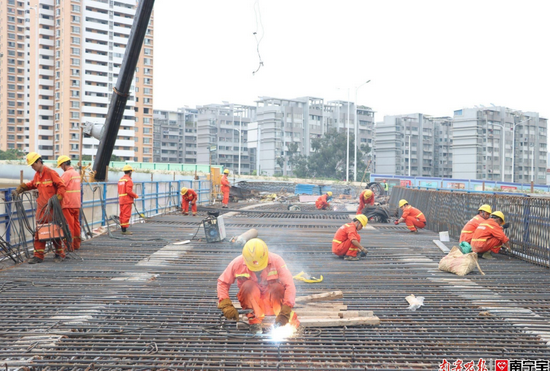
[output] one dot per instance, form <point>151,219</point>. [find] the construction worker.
<point>225,188</point>
<point>412,217</point>
<point>386,187</point>
<point>484,212</point>
<point>489,236</point>
<point>72,200</point>
<point>188,196</point>
<point>265,286</point>
<point>49,184</point>
<point>365,198</point>
<point>323,202</point>
<point>347,242</point>
<point>126,197</point>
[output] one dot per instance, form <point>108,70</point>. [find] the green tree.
<point>12,154</point>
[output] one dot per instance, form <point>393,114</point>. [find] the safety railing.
<point>529,217</point>
<point>100,202</point>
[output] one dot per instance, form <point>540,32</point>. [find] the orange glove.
<point>228,309</point>
<point>284,315</point>
<point>59,197</point>
<point>21,188</point>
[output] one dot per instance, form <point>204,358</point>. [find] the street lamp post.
<point>356,133</point>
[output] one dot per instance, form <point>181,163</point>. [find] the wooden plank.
<point>354,321</point>
<point>331,295</point>
<point>442,246</point>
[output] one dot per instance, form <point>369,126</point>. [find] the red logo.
<point>501,365</point>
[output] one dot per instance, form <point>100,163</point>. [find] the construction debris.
<point>414,302</point>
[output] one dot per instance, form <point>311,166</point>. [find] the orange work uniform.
<point>48,183</point>
<point>126,198</point>
<point>264,292</point>
<point>189,196</point>
<point>341,243</point>
<point>71,204</point>
<point>414,218</point>
<point>469,229</point>
<point>488,236</point>
<point>363,202</point>
<point>225,189</point>
<point>322,202</point>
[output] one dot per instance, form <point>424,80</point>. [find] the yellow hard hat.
<point>403,202</point>
<point>368,194</point>
<point>62,159</point>
<point>183,191</point>
<point>363,219</point>
<point>329,193</point>
<point>499,214</point>
<point>226,171</point>
<point>32,157</point>
<point>255,254</point>
<point>486,208</point>
<point>127,168</point>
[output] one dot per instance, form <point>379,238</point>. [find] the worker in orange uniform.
<point>72,200</point>
<point>489,236</point>
<point>412,217</point>
<point>323,202</point>
<point>188,196</point>
<point>347,242</point>
<point>225,188</point>
<point>365,198</point>
<point>265,286</point>
<point>484,212</point>
<point>49,184</point>
<point>126,197</point>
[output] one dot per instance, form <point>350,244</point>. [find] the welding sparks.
<point>282,333</point>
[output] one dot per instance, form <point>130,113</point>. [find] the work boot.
<point>185,213</point>
<point>194,214</point>
<point>58,259</point>
<point>351,258</point>
<point>487,255</point>
<point>256,329</point>
<point>35,260</point>
<point>415,231</point>
<point>224,207</point>
<point>127,233</point>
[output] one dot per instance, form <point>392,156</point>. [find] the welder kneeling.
<point>347,242</point>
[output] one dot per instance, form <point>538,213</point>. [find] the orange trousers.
<point>225,200</point>
<point>492,243</point>
<point>344,248</point>
<point>125,214</point>
<point>412,223</point>
<point>185,207</point>
<point>262,304</point>
<point>72,216</point>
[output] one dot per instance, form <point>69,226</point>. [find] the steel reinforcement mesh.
<point>529,217</point>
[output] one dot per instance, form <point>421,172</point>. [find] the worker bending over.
<point>225,188</point>
<point>188,196</point>
<point>265,286</point>
<point>365,198</point>
<point>412,217</point>
<point>49,184</point>
<point>126,197</point>
<point>323,202</point>
<point>347,242</point>
<point>72,200</point>
<point>489,236</point>
<point>484,212</point>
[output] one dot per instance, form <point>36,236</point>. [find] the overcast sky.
<point>421,56</point>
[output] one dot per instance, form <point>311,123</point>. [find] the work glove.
<point>284,315</point>
<point>505,225</point>
<point>396,222</point>
<point>21,188</point>
<point>59,197</point>
<point>363,254</point>
<point>228,309</point>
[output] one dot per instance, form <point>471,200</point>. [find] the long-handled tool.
<point>137,211</point>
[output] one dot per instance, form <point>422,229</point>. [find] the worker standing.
<point>365,198</point>
<point>323,202</point>
<point>347,242</point>
<point>265,286</point>
<point>484,212</point>
<point>49,184</point>
<point>412,217</point>
<point>188,196</point>
<point>72,200</point>
<point>225,188</point>
<point>489,236</point>
<point>386,187</point>
<point>126,197</point>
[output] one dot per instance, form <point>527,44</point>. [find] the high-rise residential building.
<point>500,144</point>
<point>60,62</point>
<point>222,136</point>
<point>175,136</point>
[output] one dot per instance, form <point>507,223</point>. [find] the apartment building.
<point>500,144</point>
<point>175,136</point>
<point>222,136</point>
<point>62,62</point>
